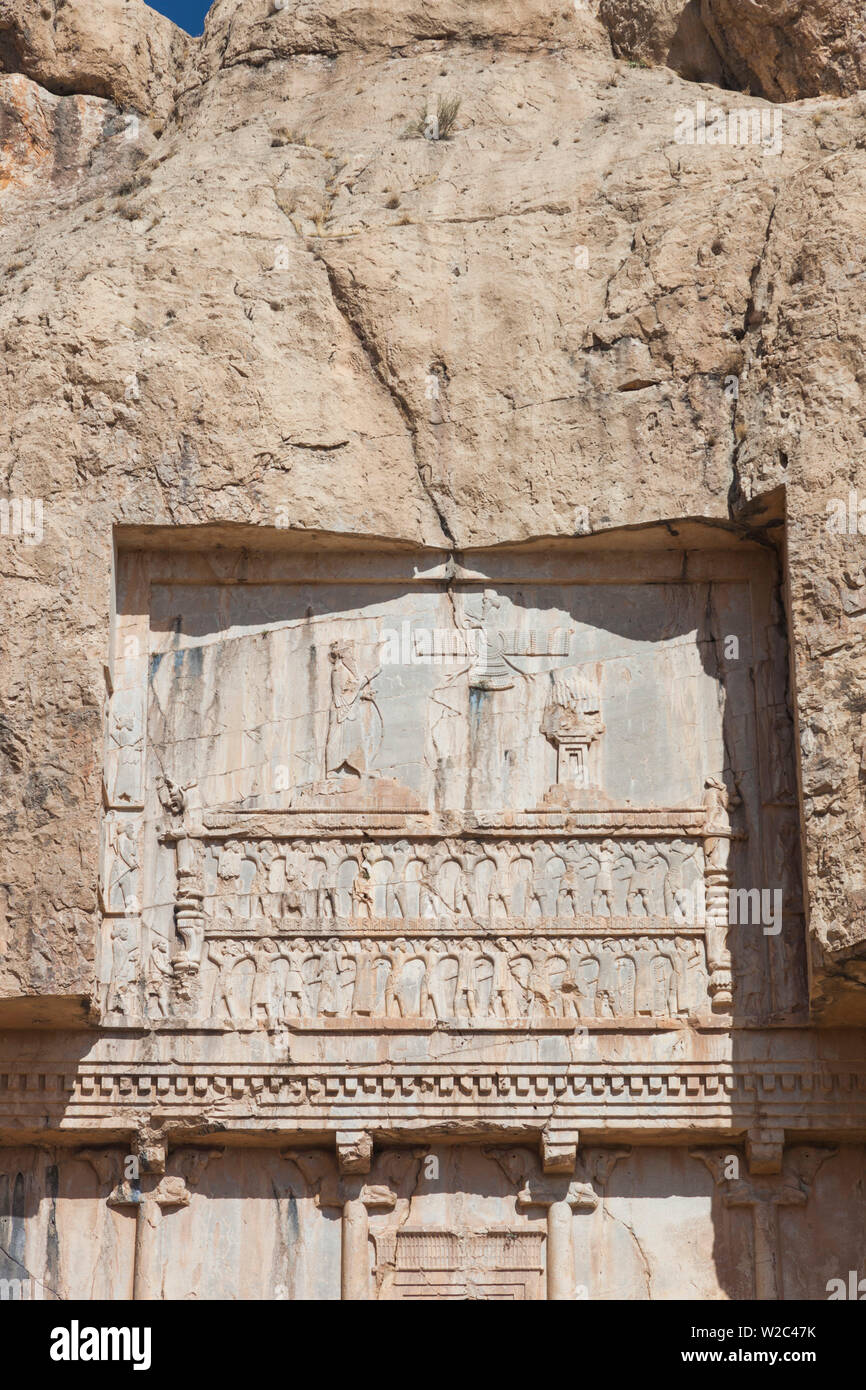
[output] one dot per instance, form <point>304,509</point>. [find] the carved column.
<point>717,882</point>
<point>390,1181</point>
<point>189,891</point>
<point>720,984</point>
<point>150,1194</point>
<point>765,1193</point>
<point>562,1197</point>
<point>355,1241</point>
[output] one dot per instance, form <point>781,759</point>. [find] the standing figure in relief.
<point>326,890</point>
<point>645,860</point>
<point>124,871</point>
<point>689,962</point>
<point>666,965</point>
<point>502,984</point>
<point>467,987</point>
<point>606,988</point>
<point>717,804</point>
<point>568,902</point>
<point>431,901</point>
<point>428,1006</point>
<point>229,872</point>
<point>262,1001</point>
<point>249,902</point>
<point>124,967</point>
<point>396,958</point>
<point>225,958</point>
<point>329,1001</point>
<point>544,889</point>
<point>294,895</point>
<point>499,892</point>
<point>572,987</point>
<point>606,856</point>
<point>644,976</point>
<point>464,901</point>
<point>270,902</point>
<point>363,903</point>
<point>355,724</point>
<point>364,986</point>
<point>397,887</point>
<point>326,901</point>
<point>159,975</point>
<point>295,989</point>
<point>586,968</point>
<point>625,986</point>
<point>126,737</point>
<point>538,984</point>
<point>679,901</point>
<point>264,857</point>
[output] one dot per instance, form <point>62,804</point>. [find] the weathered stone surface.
<point>785,50</point>
<point>672,32</point>
<point>120,49</point>
<point>778,49</point>
<point>282,372</point>
<point>629,1210</point>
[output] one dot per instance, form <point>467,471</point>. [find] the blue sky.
<point>189,14</point>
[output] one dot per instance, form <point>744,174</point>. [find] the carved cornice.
<point>644,1099</point>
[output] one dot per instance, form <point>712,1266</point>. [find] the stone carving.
<point>423,1265</point>
<point>559,1196</point>
<point>384,1185</point>
<point>184,816</point>
<point>538,857</point>
<point>616,927</point>
<point>121,994</point>
<point>160,975</point>
<point>466,981</point>
<point>124,770</point>
<point>354,719</point>
<point>717,847</point>
<point>764,1196</point>
<point>451,880</point>
<point>122,866</point>
<point>150,1195</point>
<point>572,721</point>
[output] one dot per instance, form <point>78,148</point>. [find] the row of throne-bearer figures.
<point>608,878</point>
<point>267,983</point>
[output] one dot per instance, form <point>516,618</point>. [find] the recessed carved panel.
<point>402,797</point>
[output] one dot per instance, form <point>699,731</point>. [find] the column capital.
<point>354,1151</point>
<point>558,1149</point>
<point>548,1191</point>
<point>765,1150</point>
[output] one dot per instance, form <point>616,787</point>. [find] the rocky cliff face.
<point>243,286</point>
<point>778,49</point>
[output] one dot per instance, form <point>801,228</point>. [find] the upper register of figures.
<point>379,801</point>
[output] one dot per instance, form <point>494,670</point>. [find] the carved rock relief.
<point>241,915</point>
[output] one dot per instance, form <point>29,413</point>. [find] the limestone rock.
<point>119,49</point>
<point>784,50</point>
<point>287,360</point>
<point>557,321</point>
<point>671,32</point>
<point>778,49</point>
<point>256,31</point>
